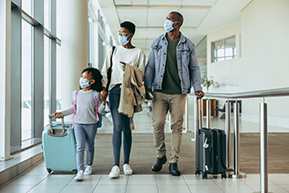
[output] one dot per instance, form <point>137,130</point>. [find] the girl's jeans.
<point>84,136</point>
<point>121,124</point>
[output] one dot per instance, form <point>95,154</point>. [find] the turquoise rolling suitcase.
<point>59,147</point>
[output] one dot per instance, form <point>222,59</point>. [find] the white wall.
<point>264,60</point>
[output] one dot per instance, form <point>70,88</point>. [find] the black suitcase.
<point>210,149</point>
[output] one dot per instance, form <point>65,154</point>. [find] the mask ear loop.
<point>128,37</point>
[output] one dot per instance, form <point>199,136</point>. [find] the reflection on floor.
<point>37,179</point>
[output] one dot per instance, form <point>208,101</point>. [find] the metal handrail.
<point>263,128</point>
<point>252,94</point>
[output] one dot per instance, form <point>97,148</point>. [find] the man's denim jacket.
<point>188,67</point>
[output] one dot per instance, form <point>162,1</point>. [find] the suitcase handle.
<point>199,114</point>
<point>51,131</point>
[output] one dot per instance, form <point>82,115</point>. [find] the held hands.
<point>199,94</point>
<point>123,65</point>
<point>57,115</point>
<point>103,95</point>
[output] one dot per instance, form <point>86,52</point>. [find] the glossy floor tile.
<point>37,181</point>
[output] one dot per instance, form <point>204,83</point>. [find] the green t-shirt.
<point>171,82</point>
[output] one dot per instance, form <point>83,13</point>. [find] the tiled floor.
<point>37,180</point>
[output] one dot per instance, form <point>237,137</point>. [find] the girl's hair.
<point>97,85</point>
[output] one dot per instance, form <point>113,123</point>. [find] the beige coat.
<point>132,92</point>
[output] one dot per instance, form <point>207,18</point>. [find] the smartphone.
<point>151,95</point>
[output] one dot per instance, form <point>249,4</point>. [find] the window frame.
<point>215,57</point>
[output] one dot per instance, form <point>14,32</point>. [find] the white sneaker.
<point>79,176</point>
<point>127,170</point>
<point>114,173</point>
<point>88,170</point>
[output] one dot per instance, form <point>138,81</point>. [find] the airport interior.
<point>241,47</point>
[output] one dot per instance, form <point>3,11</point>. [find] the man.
<point>172,66</point>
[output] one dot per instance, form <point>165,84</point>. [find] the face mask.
<point>83,82</point>
<point>168,25</point>
<point>123,40</point>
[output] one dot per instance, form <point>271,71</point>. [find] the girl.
<point>125,54</point>
<point>85,118</point>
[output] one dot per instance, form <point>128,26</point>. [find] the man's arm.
<point>149,73</point>
<point>195,73</point>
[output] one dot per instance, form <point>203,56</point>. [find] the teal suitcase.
<point>58,144</point>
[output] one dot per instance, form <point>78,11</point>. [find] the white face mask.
<point>83,82</point>
<point>123,40</point>
<point>168,25</point>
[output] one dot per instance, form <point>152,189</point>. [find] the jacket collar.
<point>182,38</point>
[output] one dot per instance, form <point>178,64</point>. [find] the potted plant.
<point>208,83</point>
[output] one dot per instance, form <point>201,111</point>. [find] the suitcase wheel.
<point>205,176</point>
<point>49,170</point>
<point>224,175</point>
<point>74,171</point>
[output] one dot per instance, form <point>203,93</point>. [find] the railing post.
<point>263,147</point>
<point>196,119</point>
<point>228,135</point>
<point>208,113</point>
<point>236,173</point>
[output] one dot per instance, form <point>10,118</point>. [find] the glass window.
<point>26,80</point>
<point>58,18</point>
<point>46,78</point>
<point>224,49</point>
<point>27,6</point>
<point>58,78</point>
<point>47,14</point>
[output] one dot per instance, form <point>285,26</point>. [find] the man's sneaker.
<point>88,170</point>
<point>114,173</point>
<point>79,176</point>
<point>127,170</point>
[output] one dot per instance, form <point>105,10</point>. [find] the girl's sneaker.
<point>88,170</point>
<point>127,170</point>
<point>79,176</point>
<point>114,173</point>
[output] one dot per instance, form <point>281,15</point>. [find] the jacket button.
<point>165,53</point>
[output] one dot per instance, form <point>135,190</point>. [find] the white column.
<point>5,78</point>
<point>74,47</point>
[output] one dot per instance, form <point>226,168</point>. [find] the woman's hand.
<point>123,65</point>
<point>103,95</point>
<point>57,115</point>
<point>149,94</point>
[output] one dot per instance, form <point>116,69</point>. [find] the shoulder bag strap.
<point>109,69</point>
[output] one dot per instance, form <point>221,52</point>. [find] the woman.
<point>125,54</point>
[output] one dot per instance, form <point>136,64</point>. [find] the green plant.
<point>208,83</point>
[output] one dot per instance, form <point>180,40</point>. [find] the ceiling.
<point>200,17</point>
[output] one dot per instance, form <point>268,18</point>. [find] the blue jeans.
<point>121,124</point>
<point>84,136</point>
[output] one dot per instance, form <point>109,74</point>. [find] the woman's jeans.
<point>121,124</point>
<point>84,136</point>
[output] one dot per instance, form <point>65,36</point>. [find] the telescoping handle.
<point>62,123</point>
<point>199,113</point>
